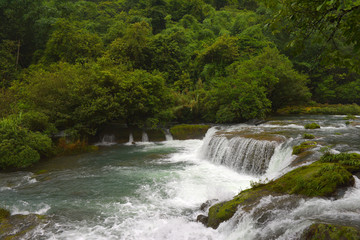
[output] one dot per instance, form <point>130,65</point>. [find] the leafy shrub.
<point>19,147</point>
<point>312,126</point>
<point>37,121</point>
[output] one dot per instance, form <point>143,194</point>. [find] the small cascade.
<point>241,154</point>
<point>281,159</point>
<point>107,140</point>
<point>145,137</point>
<point>168,135</point>
<point>131,138</point>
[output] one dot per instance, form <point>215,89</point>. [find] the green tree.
<point>143,98</point>
<point>69,43</point>
<point>134,46</point>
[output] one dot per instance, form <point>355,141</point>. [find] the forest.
<point>73,66</point>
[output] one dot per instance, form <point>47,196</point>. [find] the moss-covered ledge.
<point>188,131</point>
<point>330,232</point>
<point>315,180</point>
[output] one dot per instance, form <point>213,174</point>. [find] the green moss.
<point>350,161</point>
<point>4,213</point>
<point>315,180</point>
<point>312,126</point>
<point>303,147</point>
<point>225,210</point>
<point>350,117</point>
<point>187,131</point>
<point>320,231</point>
<point>308,136</point>
<point>42,171</point>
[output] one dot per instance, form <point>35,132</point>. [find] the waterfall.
<point>107,140</point>
<point>145,137</point>
<point>241,154</point>
<point>131,138</point>
<point>168,135</point>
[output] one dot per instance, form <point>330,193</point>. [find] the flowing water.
<point>154,190</point>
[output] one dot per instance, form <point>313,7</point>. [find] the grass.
<point>350,161</point>
<point>188,131</point>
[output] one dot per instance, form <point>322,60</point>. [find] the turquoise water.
<point>121,192</point>
<point>154,190</point>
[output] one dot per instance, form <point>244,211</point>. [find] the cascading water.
<point>107,140</point>
<point>131,138</point>
<point>245,155</point>
<point>154,191</point>
<point>144,137</point>
<point>168,135</point>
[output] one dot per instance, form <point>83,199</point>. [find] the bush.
<point>37,121</point>
<point>312,126</point>
<point>19,147</point>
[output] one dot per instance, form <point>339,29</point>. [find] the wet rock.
<point>207,204</point>
<point>20,226</point>
<point>256,121</point>
<point>202,219</point>
<point>330,232</point>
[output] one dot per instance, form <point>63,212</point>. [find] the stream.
<point>154,190</point>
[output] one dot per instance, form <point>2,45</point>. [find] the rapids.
<point>154,190</point>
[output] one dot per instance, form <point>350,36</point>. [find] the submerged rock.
<point>19,226</point>
<point>330,232</point>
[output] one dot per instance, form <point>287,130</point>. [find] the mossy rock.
<point>18,226</point>
<point>223,211</point>
<point>315,180</point>
<point>350,161</point>
<point>312,126</point>
<point>308,136</point>
<point>4,213</point>
<point>188,131</point>
<point>321,231</point>
<point>303,147</point>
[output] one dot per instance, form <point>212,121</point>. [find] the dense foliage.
<point>74,65</point>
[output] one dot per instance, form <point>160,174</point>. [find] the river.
<point>155,190</point>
